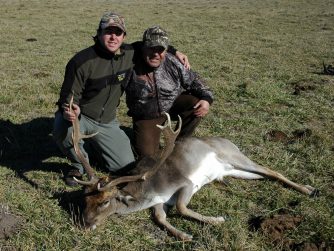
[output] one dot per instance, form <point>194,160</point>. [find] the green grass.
<point>253,54</point>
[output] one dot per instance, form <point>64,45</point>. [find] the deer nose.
<point>90,226</point>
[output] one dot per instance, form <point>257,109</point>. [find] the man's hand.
<point>201,108</point>
<point>183,59</point>
<point>71,116</point>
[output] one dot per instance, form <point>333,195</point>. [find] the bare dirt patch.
<point>279,136</point>
<point>10,224</point>
<point>308,85</point>
<point>277,228</point>
<point>300,87</point>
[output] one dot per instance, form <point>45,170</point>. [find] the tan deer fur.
<point>193,163</point>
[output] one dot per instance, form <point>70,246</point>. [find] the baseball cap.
<point>155,36</point>
<point>112,19</point>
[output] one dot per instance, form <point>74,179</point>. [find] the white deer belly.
<point>208,169</point>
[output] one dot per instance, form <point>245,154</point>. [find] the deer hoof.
<point>313,191</point>
<point>217,220</point>
<point>185,237</point>
<point>220,219</point>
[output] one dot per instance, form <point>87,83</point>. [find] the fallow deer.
<point>172,180</point>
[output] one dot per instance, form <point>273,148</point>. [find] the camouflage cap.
<point>155,36</point>
<point>111,19</point>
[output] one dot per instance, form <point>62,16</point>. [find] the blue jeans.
<point>111,143</point>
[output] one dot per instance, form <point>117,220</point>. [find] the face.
<point>99,205</point>
<point>153,56</point>
<point>112,38</point>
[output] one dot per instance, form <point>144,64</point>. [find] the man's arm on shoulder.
<point>180,56</point>
<point>190,80</point>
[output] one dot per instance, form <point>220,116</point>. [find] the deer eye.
<point>104,204</point>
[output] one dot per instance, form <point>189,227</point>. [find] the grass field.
<point>263,61</point>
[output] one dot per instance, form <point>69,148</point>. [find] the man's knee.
<point>116,150</point>
<point>120,162</point>
<point>184,102</point>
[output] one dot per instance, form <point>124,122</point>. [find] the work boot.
<point>69,177</point>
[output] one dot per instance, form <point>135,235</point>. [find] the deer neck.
<point>133,197</point>
<point>130,205</point>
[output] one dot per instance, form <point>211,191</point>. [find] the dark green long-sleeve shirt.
<point>97,78</point>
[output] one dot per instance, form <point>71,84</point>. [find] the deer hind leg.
<point>245,165</point>
<point>229,153</point>
<point>260,172</point>
<point>159,215</point>
<point>306,189</point>
<point>241,162</point>
<point>183,199</point>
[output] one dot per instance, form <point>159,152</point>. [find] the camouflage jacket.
<point>148,101</point>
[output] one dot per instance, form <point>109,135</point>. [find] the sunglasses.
<point>114,30</point>
<point>156,49</point>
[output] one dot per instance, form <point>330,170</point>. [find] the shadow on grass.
<point>25,147</point>
<point>73,202</point>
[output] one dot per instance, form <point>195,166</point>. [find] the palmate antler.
<point>170,136</point>
<point>92,180</point>
<point>120,180</point>
<point>76,137</point>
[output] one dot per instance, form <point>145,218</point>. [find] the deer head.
<point>103,196</point>
<point>98,191</point>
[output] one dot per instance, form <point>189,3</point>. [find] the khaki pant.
<point>111,146</point>
<point>147,134</point>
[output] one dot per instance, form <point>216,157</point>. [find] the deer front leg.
<point>159,216</point>
<point>183,199</point>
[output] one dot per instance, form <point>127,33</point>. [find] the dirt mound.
<point>279,136</point>
<point>276,228</point>
<point>277,225</point>
<point>9,223</point>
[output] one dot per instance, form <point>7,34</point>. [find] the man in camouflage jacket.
<point>160,83</point>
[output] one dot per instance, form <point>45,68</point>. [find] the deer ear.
<point>101,185</point>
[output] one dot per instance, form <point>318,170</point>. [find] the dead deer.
<point>174,178</point>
